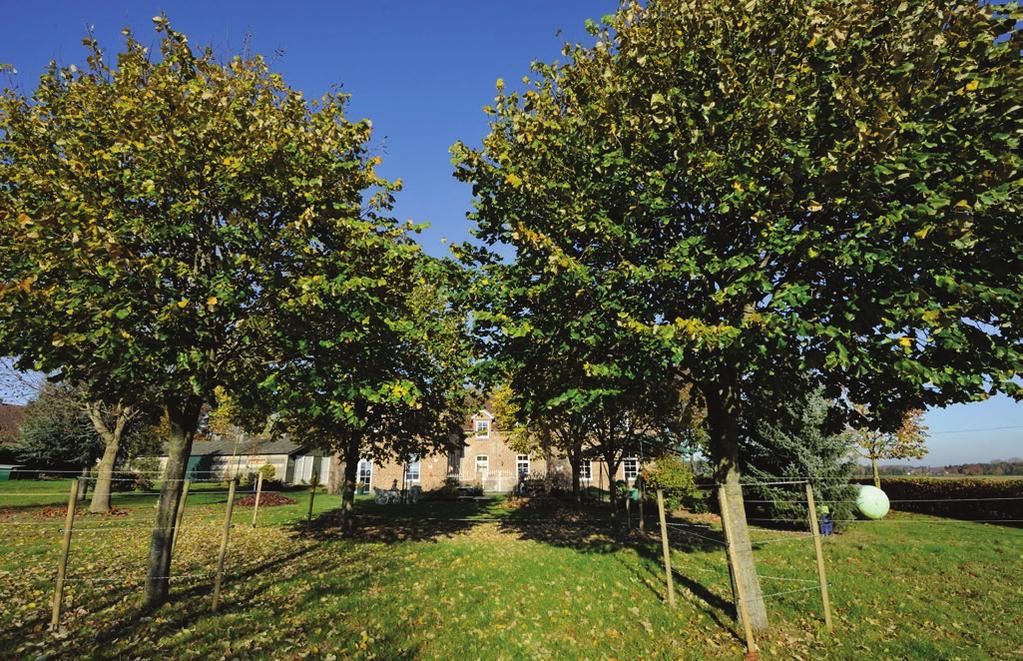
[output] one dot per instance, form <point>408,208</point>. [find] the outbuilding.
<point>221,458</point>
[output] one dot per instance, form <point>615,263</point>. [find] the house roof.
<point>248,447</point>
<point>11,416</point>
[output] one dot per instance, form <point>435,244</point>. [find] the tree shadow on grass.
<point>587,528</point>
<point>247,587</point>
<point>425,521</point>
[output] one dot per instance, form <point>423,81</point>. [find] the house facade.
<point>482,458</point>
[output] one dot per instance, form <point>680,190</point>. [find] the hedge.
<point>957,498</point>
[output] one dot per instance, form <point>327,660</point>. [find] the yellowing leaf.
<point>212,301</point>
<point>906,341</point>
<point>972,85</point>
<point>183,303</point>
<point>814,206</point>
<point>514,180</point>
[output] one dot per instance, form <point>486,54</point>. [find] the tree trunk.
<point>547,459</point>
<point>101,493</point>
<point>575,461</point>
<point>612,471</point>
<point>873,468</point>
<point>723,417</point>
<point>184,419</point>
<point>351,459</point>
<point>337,472</point>
<point>85,484</point>
<point>111,444</point>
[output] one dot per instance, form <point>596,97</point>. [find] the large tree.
<point>825,184</point>
<point>372,359</point>
<point>155,211</point>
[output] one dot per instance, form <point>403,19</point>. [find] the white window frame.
<point>485,424</point>
<point>365,464</point>
<point>586,470</point>
<point>485,466</point>
<point>625,469</point>
<point>520,461</point>
<point>410,477</point>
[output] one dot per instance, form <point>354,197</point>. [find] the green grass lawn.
<point>493,580</point>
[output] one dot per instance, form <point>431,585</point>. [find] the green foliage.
<point>672,475</point>
<point>268,472</point>
<point>56,432</point>
<point>785,186</point>
<point>792,434</point>
<point>387,383</point>
<point>157,209</point>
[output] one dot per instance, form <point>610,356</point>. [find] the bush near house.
<point>954,497</point>
<point>671,474</point>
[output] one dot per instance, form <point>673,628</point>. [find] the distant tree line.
<point>999,467</point>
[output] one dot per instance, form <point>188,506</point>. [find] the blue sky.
<point>421,70</point>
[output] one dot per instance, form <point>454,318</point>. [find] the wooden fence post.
<point>65,551</point>
<point>726,523</point>
<point>224,539</point>
<point>312,494</point>
<point>821,576</point>
<point>180,515</point>
<point>642,497</point>
<point>665,548</point>
<point>259,492</point>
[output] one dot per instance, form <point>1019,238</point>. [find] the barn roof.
<point>248,447</point>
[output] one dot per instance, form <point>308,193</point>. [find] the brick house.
<point>483,458</point>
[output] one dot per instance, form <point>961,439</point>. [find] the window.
<point>522,465</point>
<point>412,470</point>
<point>482,429</point>
<point>365,471</point>
<point>586,470</point>
<point>631,468</point>
<point>482,463</point>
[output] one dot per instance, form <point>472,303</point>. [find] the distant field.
<point>442,580</point>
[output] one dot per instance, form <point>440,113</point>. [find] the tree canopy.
<point>157,211</point>
<point>372,358</point>
<point>830,188</point>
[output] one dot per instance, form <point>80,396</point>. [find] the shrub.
<point>450,488</point>
<point>268,472</point>
<point>145,471</point>
<point>671,474</point>
<point>246,480</point>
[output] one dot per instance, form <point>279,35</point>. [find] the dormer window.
<point>482,429</point>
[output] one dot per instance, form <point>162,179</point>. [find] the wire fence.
<point>701,531</point>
